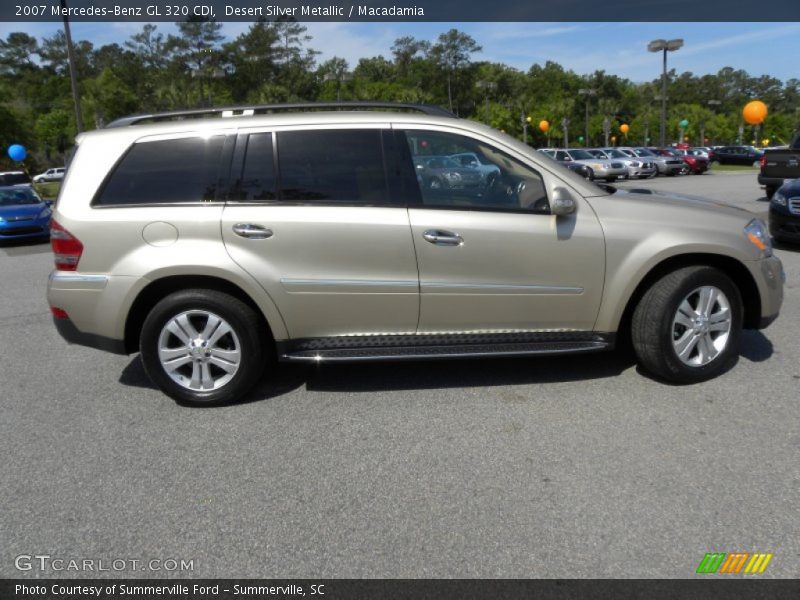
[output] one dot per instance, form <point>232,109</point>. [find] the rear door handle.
<point>442,238</point>
<point>254,232</point>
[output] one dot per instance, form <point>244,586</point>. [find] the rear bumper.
<point>72,335</point>
<point>96,305</point>
<point>770,181</point>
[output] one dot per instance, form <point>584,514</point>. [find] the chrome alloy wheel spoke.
<point>701,326</point>
<point>199,350</point>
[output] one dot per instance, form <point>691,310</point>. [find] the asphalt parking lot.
<point>573,466</point>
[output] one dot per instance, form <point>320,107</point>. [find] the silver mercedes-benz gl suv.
<point>215,241</point>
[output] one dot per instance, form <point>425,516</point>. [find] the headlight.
<point>598,166</point>
<point>45,213</point>
<point>635,164</point>
<point>779,198</point>
<point>757,234</point>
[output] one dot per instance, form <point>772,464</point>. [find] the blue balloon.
<point>17,152</point>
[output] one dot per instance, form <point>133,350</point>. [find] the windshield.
<point>643,152</point>
<point>16,196</point>
<point>617,154</point>
<point>580,155</point>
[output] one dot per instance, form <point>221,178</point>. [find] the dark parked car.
<point>736,155</point>
<point>23,214</point>
<point>14,178</point>
<point>780,164</point>
<point>784,212</point>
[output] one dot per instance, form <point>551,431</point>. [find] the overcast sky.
<point>617,48</point>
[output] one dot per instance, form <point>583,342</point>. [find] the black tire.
<point>770,190</point>
<point>652,325</point>
<point>246,326</point>
<point>589,174</point>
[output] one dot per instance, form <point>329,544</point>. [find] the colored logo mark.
<point>734,562</point>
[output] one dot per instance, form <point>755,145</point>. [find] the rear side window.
<point>332,166</point>
<point>166,172</point>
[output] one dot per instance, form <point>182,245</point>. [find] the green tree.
<point>452,53</point>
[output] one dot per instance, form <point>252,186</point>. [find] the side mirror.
<point>562,203</point>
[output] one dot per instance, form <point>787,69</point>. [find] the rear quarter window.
<point>181,170</point>
<point>332,166</point>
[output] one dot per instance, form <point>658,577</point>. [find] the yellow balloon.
<point>754,112</point>
<point>544,126</point>
<point>624,128</point>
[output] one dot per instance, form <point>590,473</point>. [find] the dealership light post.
<point>664,46</point>
<point>486,86</point>
<point>713,104</point>
<point>588,93</point>
<point>339,78</point>
<point>73,78</point>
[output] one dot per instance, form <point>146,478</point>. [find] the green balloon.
<point>684,123</point>
<point>580,138</point>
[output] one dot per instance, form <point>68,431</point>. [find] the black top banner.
<point>403,10</point>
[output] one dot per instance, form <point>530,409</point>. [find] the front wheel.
<point>770,190</point>
<point>686,328</point>
<point>203,347</point>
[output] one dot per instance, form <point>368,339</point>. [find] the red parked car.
<point>697,161</point>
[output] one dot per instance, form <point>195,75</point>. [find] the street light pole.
<point>486,86</point>
<point>588,93</point>
<point>73,78</point>
<point>713,104</point>
<point>664,46</point>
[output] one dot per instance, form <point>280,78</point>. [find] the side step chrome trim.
<point>448,351</point>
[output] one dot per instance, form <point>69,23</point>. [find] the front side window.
<point>491,180</point>
<point>166,172</point>
<point>332,166</point>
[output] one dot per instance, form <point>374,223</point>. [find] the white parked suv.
<point>215,244</point>
<point>54,174</point>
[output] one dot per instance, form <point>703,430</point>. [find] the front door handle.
<point>442,238</point>
<point>254,232</point>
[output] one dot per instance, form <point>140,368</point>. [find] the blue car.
<point>23,214</point>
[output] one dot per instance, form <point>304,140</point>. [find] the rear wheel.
<point>203,347</point>
<point>687,326</point>
<point>770,190</point>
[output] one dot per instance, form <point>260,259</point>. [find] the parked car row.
<point>611,164</point>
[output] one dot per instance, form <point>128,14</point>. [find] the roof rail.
<point>249,110</point>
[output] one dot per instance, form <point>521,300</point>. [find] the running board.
<point>441,351</point>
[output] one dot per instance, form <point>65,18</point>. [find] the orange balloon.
<point>624,128</point>
<point>755,112</point>
<point>544,126</point>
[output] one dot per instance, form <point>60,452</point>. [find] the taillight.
<point>66,247</point>
<point>59,313</point>
<point>763,161</point>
